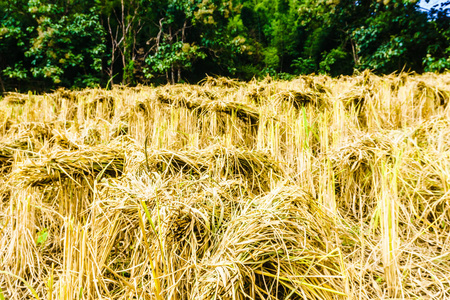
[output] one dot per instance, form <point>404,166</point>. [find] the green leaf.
<point>42,237</point>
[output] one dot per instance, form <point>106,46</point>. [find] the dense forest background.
<point>79,43</point>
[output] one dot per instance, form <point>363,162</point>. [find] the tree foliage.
<point>58,43</point>
<point>77,43</point>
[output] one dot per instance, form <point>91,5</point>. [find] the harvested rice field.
<point>315,188</point>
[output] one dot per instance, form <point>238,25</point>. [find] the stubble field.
<point>315,188</point>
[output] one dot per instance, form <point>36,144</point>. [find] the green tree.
<point>128,24</point>
<point>393,37</point>
<point>78,43</point>
<point>15,35</point>
<point>171,51</point>
<point>438,50</point>
<point>61,43</point>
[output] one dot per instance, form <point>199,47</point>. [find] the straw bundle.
<point>210,81</point>
<point>6,158</point>
<point>320,88</point>
<point>275,247</point>
<point>227,247</point>
<point>122,128</point>
<point>15,98</point>
<point>396,82</point>
<point>32,130</point>
<point>63,93</point>
<point>242,111</point>
<point>362,150</point>
<point>354,166</point>
<point>431,132</point>
<point>105,104</point>
<point>356,98</point>
<point>365,78</point>
<point>426,206</point>
<point>34,136</point>
<point>316,84</point>
<point>180,101</point>
<point>164,161</point>
<point>64,164</point>
<point>256,93</point>
<point>246,113</point>
<point>300,99</point>
<point>439,96</point>
<point>141,106</point>
<point>255,167</point>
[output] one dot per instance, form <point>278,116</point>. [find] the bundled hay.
<point>32,130</point>
<point>313,83</point>
<point>63,93</point>
<point>245,113</point>
<point>26,137</point>
<point>220,246</point>
<point>274,247</point>
<point>439,97</point>
<point>426,206</point>
<point>89,103</point>
<point>15,98</point>
<point>7,149</point>
<point>300,99</point>
<point>396,82</point>
<point>108,100</point>
<point>425,167</point>
<point>120,129</point>
<point>242,111</point>
<point>355,101</point>
<point>171,162</point>
<point>256,94</point>
<point>255,167</point>
<point>210,81</point>
<point>103,104</point>
<point>90,162</point>
<point>356,98</point>
<point>365,78</point>
<point>432,132</point>
<point>321,88</point>
<point>360,152</point>
<point>33,136</point>
<point>180,101</point>
<point>141,106</point>
<point>64,102</point>
<point>354,166</point>
<point>6,158</point>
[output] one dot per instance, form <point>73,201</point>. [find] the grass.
<point>315,188</point>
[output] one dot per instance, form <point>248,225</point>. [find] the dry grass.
<point>315,188</point>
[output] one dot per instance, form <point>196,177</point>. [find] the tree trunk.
<point>114,46</point>
<point>355,54</point>
<point>172,71</point>
<point>3,86</point>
